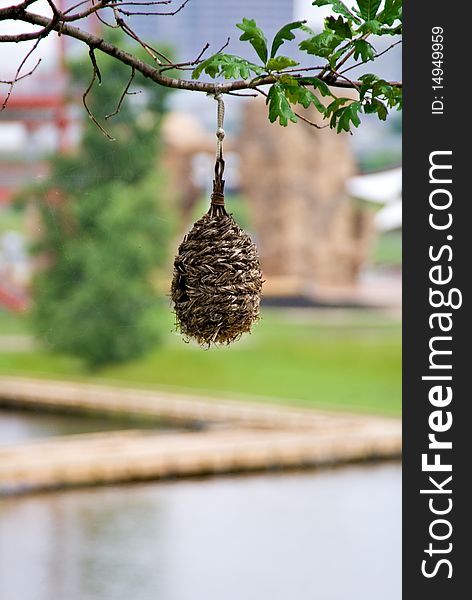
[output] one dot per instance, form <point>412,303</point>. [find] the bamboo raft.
<point>240,438</point>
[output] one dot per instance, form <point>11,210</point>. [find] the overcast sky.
<point>11,54</point>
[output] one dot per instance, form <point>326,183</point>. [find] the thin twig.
<point>349,54</point>
<point>185,66</point>
<point>66,17</point>
<point>55,11</point>
<point>375,57</point>
<point>204,49</point>
<point>95,66</point>
<point>328,68</point>
<point>122,97</point>
<point>105,4</point>
<point>353,84</point>
<point>143,3</point>
<point>161,14</point>
<point>85,94</point>
<point>102,20</point>
<point>295,70</point>
<point>153,52</point>
<point>224,46</point>
<point>17,77</point>
<point>313,124</point>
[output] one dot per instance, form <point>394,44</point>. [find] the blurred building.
<point>36,120</point>
<point>311,234</point>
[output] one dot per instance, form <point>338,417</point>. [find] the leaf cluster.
<point>344,37</point>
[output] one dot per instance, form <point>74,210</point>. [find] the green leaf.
<point>279,106</point>
<point>333,59</point>
<point>367,82</point>
<point>307,29</point>
<point>339,8</point>
<point>299,94</point>
<point>378,107</point>
<point>255,36</point>
<point>339,26</point>
<point>372,26</point>
<point>397,30</point>
<point>363,49</point>
<point>280,62</point>
<point>391,94</point>
<point>392,12</point>
<point>322,44</point>
<point>320,107</point>
<point>368,8</point>
<point>332,108</point>
<point>347,115</point>
<point>228,66</point>
<point>369,78</point>
<point>374,91</point>
<point>284,34</point>
<point>322,87</point>
<point>317,83</point>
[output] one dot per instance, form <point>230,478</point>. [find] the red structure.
<point>13,299</point>
<point>36,102</point>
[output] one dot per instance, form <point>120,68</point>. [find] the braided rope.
<point>217,206</point>
<point>220,132</point>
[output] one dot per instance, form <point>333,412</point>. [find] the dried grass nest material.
<point>217,281</point>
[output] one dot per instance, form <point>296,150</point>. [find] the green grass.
<point>379,160</point>
<point>11,219</point>
<point>13,324</point>
<point>341,360</point>
<point>388,249</point>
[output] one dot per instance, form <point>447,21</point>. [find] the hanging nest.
<point>217,281</point>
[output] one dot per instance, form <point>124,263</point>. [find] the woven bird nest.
<point>217,281</point>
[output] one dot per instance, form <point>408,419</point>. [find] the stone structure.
<point>183,139</point>
<point>309,232</point>
<point>311,236</point>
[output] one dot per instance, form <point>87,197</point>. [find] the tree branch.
<point>123,95</point>
<point>60,25</point>
<point>95,75</point>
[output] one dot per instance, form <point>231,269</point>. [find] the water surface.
<point>327,535</point>
<point>18,426</point>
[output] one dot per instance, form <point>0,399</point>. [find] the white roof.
<point>389,217</point>
<point>383,188</point>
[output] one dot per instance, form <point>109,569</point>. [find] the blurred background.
<point>88,231</point>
